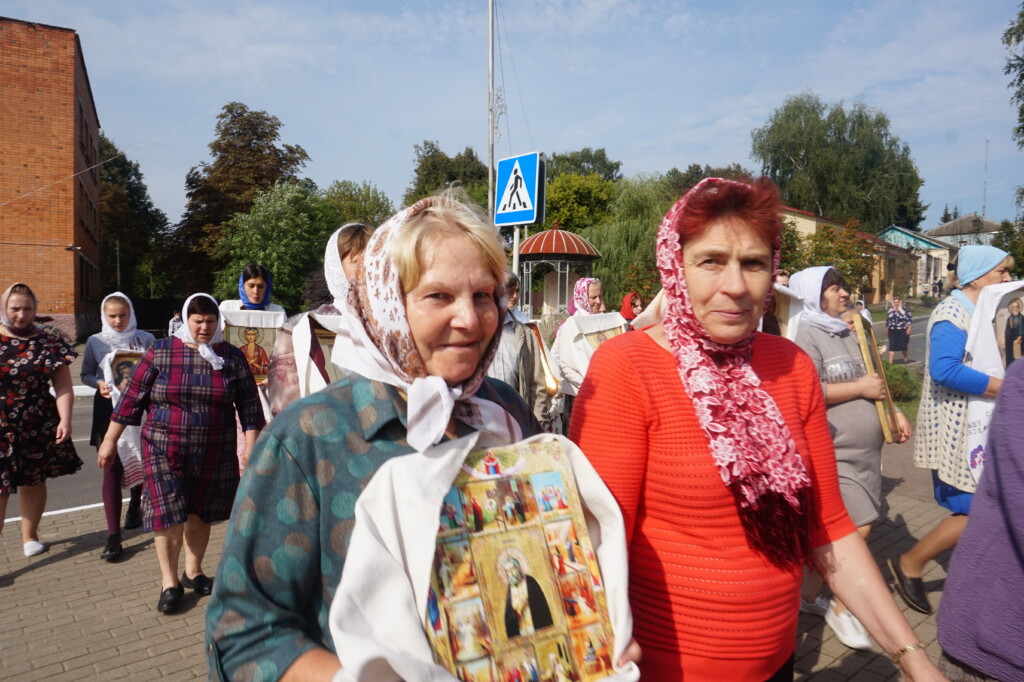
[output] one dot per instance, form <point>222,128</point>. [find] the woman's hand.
<point>104,388</point>
<point>63,430</point>
<point>905,429</point>
<point>632,654</point>
<point>106,453</point>
<point>872,387</point>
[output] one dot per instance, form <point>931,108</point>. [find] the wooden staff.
<point>873,363</point>
<point>550,380</point>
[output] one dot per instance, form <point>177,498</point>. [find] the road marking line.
<point>66,511</point>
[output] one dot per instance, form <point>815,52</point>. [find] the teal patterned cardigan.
<point>293,516</point>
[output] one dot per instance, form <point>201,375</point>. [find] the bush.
<point>929,301</point>
<point>904,386</point>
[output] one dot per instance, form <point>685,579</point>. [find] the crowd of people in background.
<point>746,467</point>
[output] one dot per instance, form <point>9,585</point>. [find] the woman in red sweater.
<point>714,440</point>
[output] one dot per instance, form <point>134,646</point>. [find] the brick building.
<point>49,182</point>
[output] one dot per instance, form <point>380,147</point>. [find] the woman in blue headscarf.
<point>941,440</point>
<point>253,291</point>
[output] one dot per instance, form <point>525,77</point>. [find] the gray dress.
<point>856,430</point>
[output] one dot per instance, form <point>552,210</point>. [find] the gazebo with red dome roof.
<point>561,250</point>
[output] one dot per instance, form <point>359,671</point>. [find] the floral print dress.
<point>28,412</point>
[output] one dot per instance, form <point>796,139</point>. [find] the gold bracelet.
<point>895,658</point>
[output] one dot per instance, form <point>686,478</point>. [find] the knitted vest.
<point>940,441</point>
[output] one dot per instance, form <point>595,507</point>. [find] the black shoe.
<point>170,599</point>
<point>133,517</point>
<point>113,549</point>
<point>201,585</point>
<point>911,589</point>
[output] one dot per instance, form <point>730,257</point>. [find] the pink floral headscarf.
<point>747,436</point>
<point>375,341</point>
<point>581,296</point>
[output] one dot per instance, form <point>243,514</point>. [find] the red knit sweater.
<point>705,605</point>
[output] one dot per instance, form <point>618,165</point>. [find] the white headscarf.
<point>185,334</point>
<point>375,341</point>
<point>122,340</point>
<point>334,270</point>
<point>807,285</point>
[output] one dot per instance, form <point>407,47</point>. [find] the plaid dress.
<point>189,436</point>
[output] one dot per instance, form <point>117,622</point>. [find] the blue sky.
<point>656,83</point>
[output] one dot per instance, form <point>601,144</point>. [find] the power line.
<point>282,75</point>
<point>515,74</point>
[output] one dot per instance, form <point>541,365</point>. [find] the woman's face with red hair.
<point>728,270</point>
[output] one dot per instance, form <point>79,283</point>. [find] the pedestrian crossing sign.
<point>520,186</point>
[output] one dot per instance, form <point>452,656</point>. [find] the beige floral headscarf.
<point>375,341</point>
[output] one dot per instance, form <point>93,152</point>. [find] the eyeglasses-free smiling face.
<point>728,271</point>
<point>451,311</point>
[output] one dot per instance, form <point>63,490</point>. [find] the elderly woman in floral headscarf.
<point>416,343</point>
<point>571,350</point>
<point>713,438</point>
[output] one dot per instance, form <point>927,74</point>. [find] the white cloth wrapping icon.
<point>377,618</point>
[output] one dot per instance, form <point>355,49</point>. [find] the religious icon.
<point>122,365</point>
<point>256,343</point>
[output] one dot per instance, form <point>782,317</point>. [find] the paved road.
<point>82,488</point>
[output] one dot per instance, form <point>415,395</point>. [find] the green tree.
<point>435,170</point>
<point>626,240</point>
<point>130,225</point>
<point>247,159</point>
<point>360,203</point>
<point>842,163</point>
<point>577,202</point>
<point>1013,39</point>
<point>794,255</point>
<point>848,253</point>
<point>676,183</point>
<point>583,162</point>
<point>285,230</point>
<point>1010,238</point>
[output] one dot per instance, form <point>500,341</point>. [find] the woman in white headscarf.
<point>416,341</point>
<point>119,332</point>
<point>190,386</point>
<point>285,383</point>
<point>857,436</point>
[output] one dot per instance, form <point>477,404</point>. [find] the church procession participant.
<point>190,387</point>
<point>119,332</point>
<point>853,420</point>
<point>35,427</point>
<point>415,344</point>
<point>250,323</point>
<point>299,365</point>
<point>520,359</point>
<point>715,442</point>
<point>941,440</point>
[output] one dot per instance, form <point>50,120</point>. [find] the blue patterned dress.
<point>285,549</point>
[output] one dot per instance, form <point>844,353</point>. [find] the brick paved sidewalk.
<point>67,615</point>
